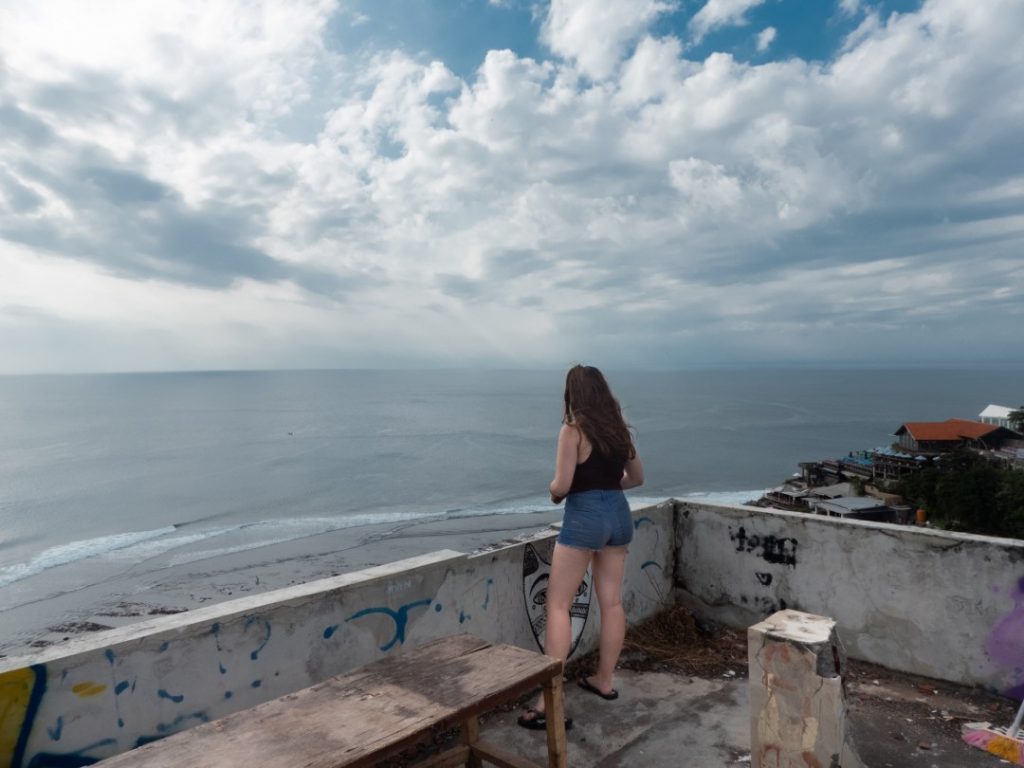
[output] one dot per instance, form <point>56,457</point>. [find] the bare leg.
<point>568,566</point>
<point>609,567</point>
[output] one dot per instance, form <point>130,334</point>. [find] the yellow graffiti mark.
<point>15,694</point>
<point>88,689</point>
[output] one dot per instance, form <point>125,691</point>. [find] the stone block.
<point>797,695</point>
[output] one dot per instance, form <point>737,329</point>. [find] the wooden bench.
<point>365,716</point>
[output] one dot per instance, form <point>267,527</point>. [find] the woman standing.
<point>596,461</point>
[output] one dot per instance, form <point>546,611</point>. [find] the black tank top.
<point>598,473</point>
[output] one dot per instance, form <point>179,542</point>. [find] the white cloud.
<point>383,210</point>
<point>765,38</point>
<point>850,7</point>
<point>595,33</point>
<point>721,13</point>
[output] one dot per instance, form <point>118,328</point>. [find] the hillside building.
<point>944,436</point>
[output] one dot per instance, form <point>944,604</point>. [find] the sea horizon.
<point>111,484</point>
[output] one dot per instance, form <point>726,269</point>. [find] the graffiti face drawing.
<point>536,572</point>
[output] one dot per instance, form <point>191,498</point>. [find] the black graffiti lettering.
<point>781,551</point>
<point>740,537</point>
<point>764,578</point>
<point>772,549</point>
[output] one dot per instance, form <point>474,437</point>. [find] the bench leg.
<point>554,706</point>
<point>470,736</point>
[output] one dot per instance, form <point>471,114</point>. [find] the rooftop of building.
<point>686,704</point>
<point>996,412</point>
<point>949,430</point>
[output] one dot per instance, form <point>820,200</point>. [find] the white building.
<point>996,414</point>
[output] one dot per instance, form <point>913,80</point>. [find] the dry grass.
<point>675,641</point>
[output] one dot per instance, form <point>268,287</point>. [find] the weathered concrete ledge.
<point>947,606</point>
<point>102,694</point>
<point>944,605</point>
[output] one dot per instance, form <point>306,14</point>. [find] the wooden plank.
<point>554,706</point>
<point>360,718</point>
<point>470,736</point>
<point>501,757</point>
<point>451,758</point>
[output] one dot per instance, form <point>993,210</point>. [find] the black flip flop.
<point>538,722</point>
<point>586,686</point>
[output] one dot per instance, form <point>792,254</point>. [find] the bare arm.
<point>633,474</point>
<point>565,462</point>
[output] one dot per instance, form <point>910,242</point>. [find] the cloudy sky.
<point>218,184</point>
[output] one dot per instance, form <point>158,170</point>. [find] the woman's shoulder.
<point>570,430</point>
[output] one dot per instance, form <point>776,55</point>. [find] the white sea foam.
<point>138,546</point>
<point>267,532</point>
<point>76,551</point>
<point>726,497</point>
<point>525,506</point>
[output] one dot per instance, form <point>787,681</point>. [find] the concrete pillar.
<point>797,696</point>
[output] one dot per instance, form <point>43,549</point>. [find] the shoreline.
<point>125,599</point>
<point>133,595</point>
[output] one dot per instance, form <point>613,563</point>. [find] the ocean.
<point>108,481</point>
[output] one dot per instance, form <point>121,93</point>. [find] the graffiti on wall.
<point>21,692</point>
<point>399,617</point>
<point>1005,644</point>
<point>536,573</point>
<point>21,695</point>
<point>778,550</point>
<point>52,717</point>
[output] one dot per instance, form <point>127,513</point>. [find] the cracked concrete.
<point>659,719</point>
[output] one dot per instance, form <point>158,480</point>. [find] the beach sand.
<point>130,597</point>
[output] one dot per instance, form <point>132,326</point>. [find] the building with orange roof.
<point>943,436</point>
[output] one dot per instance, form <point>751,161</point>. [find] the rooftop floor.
<point>666,718</point>
<point>690,709</point>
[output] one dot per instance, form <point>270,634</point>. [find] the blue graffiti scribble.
<point>166,728</point>
<point>438,608</point>
<point>463,617</point>
<point>649,563</point>
<point>400,617</point>
<point>228,694</point>
<point>266,639</point>
<point>68,759</point>
<point>34,699</point>
<point>164,646</point>
<point>117,707</point>
<point>222,668</point>
<point>165,695</point>
<point>657,531</point>
<point>121,687</point>
<point>330,631</point>
<point>56,730</point>
<point>487,596</point>
<point>256,683</point>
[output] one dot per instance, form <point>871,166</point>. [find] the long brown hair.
<point>591,406</point>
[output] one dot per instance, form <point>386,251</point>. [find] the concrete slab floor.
<point>672,719</point>
<point>659,718</point>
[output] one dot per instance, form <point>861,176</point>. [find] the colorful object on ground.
<point>1007,743</point>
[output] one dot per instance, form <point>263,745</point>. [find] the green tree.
<point>965,492</point>
<point>1017,419</point>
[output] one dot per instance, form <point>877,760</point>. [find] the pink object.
<point>1007,743</point>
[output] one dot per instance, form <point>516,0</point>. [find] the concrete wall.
<point>103,694</point>
<point>948,606</point>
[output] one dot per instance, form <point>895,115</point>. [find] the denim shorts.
<point>596,519</point>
